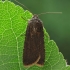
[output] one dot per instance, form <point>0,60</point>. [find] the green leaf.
<point>12,25</point>
<point>67,68</point>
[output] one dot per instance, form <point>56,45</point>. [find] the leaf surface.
<point>12,26</point>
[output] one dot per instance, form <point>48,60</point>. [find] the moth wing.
<point>30,53</point>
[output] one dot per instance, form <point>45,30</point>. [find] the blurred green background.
<point>57,25</point>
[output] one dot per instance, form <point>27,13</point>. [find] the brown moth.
<point>34,51</point>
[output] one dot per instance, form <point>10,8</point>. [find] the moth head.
<point>35,24</point>
<point>35,19</point>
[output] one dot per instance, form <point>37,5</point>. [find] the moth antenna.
<point>40,13</point>
<point>22,5</point>
<point>50,13</point>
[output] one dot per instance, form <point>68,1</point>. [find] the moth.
<point>34,50</point>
